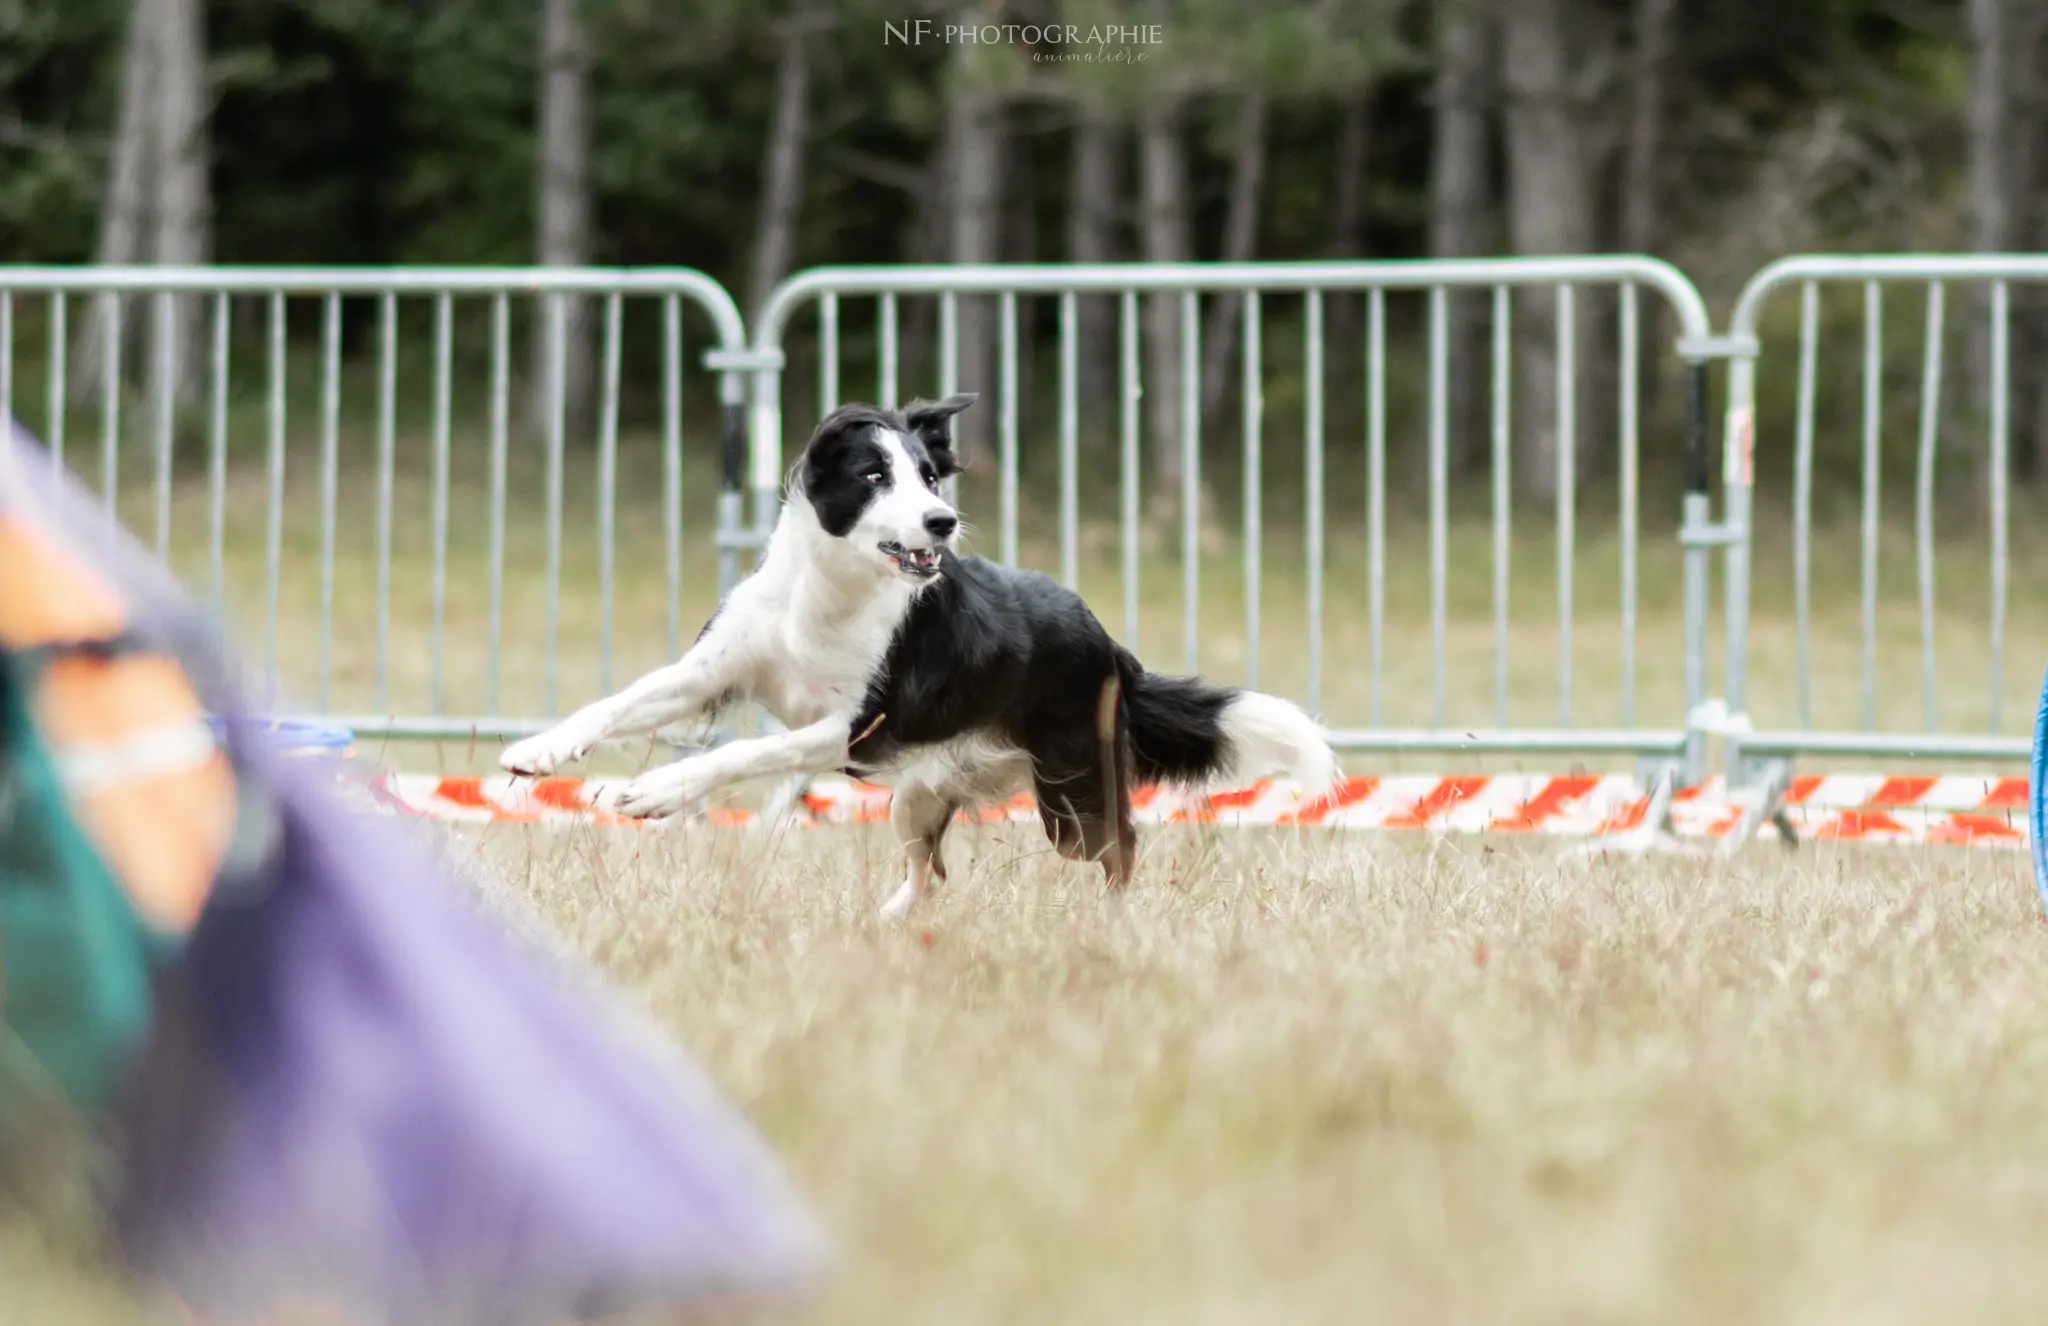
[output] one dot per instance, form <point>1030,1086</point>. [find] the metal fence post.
<point>1696,517</point>
<point>750,453</point>
<point>1738,478</point>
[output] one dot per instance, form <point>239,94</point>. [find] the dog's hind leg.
<point>1084,793</point>
<point>921,816</point>
<point>1088,822</point>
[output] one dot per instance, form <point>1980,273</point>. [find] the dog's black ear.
<point>931,422</point>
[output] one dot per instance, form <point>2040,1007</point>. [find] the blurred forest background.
<point>751,139</point>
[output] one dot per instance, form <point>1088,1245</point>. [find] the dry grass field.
<point>1323,1078</point>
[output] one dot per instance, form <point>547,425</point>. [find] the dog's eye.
<point>931,477</point>
<point>873,476</point>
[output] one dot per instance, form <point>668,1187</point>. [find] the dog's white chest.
<point>814,668</point>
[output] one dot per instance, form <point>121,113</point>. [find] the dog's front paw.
<point>540,755</point>
<point>657,794</point>
<point>899,904</point>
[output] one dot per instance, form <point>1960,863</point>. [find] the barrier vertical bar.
<point>1070,445</point>
<point>273,552</point>
<point>888,352</point>
<point>1567,489</point>
<point>501,411</point>
<point>217,467</point>
<point>949,344</point>
<point>7,358</point>
<point>1312,454</point>
<point>2000,384</point>
<point>1128,490</point>
<point>444,386</point>
<point>1503,496</point>
<point>1628,478</point>
<point>1923,493</point>
<point>330,483</point>
<point>1439,502</point>
<point>828,354</point>
<point>59,390</point>
<point>387,462</point>
<point>166,417</point>
<point>1873,352</point>
<point>949,370</point>
<point>1802,500</point>
<point>607,487</point>
<point>672,471</point>
<point>1376,490</point>
<point>1191,475</point>
<point>557,445</point>
<point>1008,443</point>
<point>1254,492</point>
<point>110,409</point>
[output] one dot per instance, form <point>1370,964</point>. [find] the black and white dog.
<point>953,680</point>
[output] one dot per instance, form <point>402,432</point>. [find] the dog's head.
<point>871,477</point>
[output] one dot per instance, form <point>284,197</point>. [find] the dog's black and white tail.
<point>1185,730</point>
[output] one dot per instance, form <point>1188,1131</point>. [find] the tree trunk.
<point>123,210</point>
<point>1348,215</point>
<point>1640,215</point>
<point>1091,237</point>
<point>974,162</point>
<point>1993,181</point>
<point>564,233</point>
<point>1240,241</point>
<point>1167,238</point>
<point>1643,176</point>
<point>1354,159</point>
<point>1461,223</point>
<point>1020,244</point>
<point>1550,209</point>
<point>925,241</point>
<point>782,183</point>
<point>2026,149</point>
<point>183,212</point>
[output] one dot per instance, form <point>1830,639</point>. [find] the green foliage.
<point>388,131</point>
<point>59,63</point>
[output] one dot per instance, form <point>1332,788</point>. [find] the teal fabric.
<point>75,959</point>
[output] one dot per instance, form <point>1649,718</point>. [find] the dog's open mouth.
<point>920,562</point>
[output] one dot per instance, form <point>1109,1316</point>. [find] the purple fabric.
<point>362,1090</point>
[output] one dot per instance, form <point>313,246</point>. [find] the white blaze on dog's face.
<point>872,478</point>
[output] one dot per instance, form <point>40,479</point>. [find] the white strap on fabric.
<point>146,755</point>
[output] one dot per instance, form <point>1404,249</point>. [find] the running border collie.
<point>953,680</point>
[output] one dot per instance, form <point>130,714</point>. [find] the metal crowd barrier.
<point>449,334</point>
<point>223,293</point>
<point>1262,286</point>
<point>1762,753</point>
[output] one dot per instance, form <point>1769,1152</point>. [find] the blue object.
<point>2037,809</point>
<point>290,736</point>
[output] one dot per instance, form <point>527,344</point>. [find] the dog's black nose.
<point>941,524</point>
